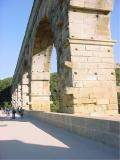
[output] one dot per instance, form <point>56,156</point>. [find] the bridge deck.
<point>33,139</point>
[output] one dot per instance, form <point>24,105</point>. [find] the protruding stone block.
<point>105,5</point>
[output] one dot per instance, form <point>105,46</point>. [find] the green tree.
<point>118,76</point>
<point>118,84</point>
<point>5,92</point>
<point>53,89</point>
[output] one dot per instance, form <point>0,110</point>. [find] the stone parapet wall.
<point>102,129</point>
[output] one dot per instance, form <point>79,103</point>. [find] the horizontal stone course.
<point>105,5</point>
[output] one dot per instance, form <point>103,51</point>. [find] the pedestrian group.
<point>19,111</point>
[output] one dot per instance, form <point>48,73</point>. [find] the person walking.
<point>8,112</point>
<point>13,113</point>
<point>21,112</point>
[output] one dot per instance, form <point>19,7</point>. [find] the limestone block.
<point>98,28</point>
<point>99,4</point>
<point>83,93</point>
<point>105,5</point>
<point>78,59</point>
<point>77,48</point>
<point>46,88</point>
<point>106,78</point>
<point>112,106</point>
<point>77,3</point>
<point>88,84</point>
<point>83,65</point>
<point>25,81</point>
<point>78,84</point>
<point>111,112</point>
<point>85,101</point>
<point>98,48</point>
<point>99,110</point>
<point>77,91</point>
<point>92,54</point>
<point>36,87</point>
<point>38,107</point>
<point>83,108</point>
<point>79,109</point>
<point>77,30</point>
<point>99,92</point>
<point>84,76</point>
<point>42,102</point>
<point>40,76</point>
<point>102,107</point>
<point>102,71</point>
<point>38,63</point>
<point>113,100</point>
<point>103,101</point>
<point>105,84</point>
<point>68,64</point>
<point>25,89</point>
<point>94,59</point>
<point>105,65</point>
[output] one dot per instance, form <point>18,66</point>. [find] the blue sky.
<point>14,16</point>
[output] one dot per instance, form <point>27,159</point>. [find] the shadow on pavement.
<point>78,147</point>
<point>29,151</point>
<point>33,151</point>
<point>3,125</point>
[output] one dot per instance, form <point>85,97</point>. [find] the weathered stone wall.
<point>25,91</point>
<point>92,61</point>
<point>19,98</point>
<point>80,32</point>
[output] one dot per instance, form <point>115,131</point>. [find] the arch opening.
<point>53,82</point>
<point>41,98</point>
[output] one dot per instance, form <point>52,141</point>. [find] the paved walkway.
<point>33,139</point>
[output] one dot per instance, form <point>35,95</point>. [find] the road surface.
<point>30,138</point>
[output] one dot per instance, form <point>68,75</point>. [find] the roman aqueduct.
<point>80,32</point>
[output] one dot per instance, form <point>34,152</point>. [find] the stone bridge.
<point>80,32</point>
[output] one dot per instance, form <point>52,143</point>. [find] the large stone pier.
<point>80,32</point>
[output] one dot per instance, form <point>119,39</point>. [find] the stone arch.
<point>46,36</point>
<point>25,81</point>
<point>40,70</point>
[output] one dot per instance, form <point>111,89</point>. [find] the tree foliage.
<point>118,76</point>
<point>5,92</point>
<point>53,89</point>
<point>118,84</point>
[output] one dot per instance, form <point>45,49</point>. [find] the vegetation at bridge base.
<point>53,89</point>
<point>118,76</point>
<point>118,84</point>
<point>5,92</point>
